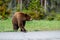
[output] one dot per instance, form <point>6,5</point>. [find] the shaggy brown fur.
<point>19,19</point>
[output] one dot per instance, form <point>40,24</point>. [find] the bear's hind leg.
<point>15,27</point>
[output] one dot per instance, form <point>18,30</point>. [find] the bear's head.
<point>28,17</point>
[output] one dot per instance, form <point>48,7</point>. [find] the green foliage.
<point>35,9</point>
<point>7,1</point>
<point>35,15</point>
<point>0,17</point>
<point>35,6</point>
<point>1,3</point>
<point>57,17</point>
<point>51,16</point>
<point>3,9</point>
<point>18,7</point>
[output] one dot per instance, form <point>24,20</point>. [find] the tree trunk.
<point>45,5</point>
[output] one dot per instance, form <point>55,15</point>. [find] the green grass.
<point>42,25</point>
<point>35,25</point>
<point>5,25</point>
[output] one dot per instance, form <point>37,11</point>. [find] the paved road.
<point>41,35</point>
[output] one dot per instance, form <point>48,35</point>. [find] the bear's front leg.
<point>22,27</point>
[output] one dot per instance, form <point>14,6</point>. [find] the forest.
<point>38,9</point>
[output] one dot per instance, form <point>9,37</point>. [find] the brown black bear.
<point>19,19</point>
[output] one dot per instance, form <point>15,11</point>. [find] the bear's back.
<point>19,14</point>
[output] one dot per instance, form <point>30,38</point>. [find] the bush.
<point>35,15</point>
<point>57,17</point>
<point>1,3</point>
<point>3,9</point>
<point>50,18</point>
<point>5,14</point>
<point>0,17</point>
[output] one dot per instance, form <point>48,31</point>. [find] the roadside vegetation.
<point>34,25</point>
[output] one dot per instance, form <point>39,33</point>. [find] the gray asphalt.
<point>40,35</point>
